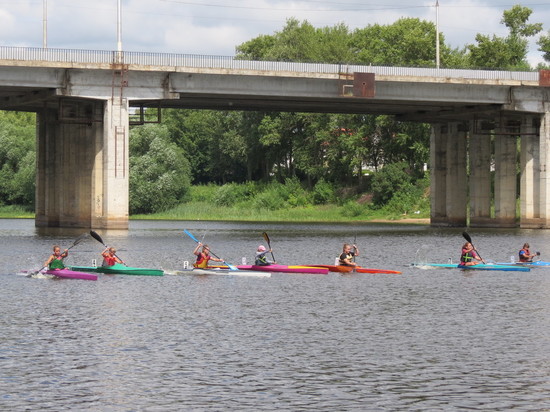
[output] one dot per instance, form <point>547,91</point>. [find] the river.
<point>424,340</point>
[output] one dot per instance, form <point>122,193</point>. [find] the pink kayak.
<point>286,269</point>
<point>71,274</point>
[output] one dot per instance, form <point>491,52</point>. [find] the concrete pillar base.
<point>82,165</point>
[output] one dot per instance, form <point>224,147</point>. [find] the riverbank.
<point>208,212</point>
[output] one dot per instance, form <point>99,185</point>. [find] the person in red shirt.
<point>203,256</point>
<point>110,257</point>
<point>525,254</point>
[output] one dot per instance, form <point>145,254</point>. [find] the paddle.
<point>96,236</point>
<point>231,267</point>
<point>469,239</point>
<point>75,242</point>
<point>266,237</point>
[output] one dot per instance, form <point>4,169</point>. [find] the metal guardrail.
<point>227,62</point>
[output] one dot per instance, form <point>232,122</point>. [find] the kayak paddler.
<point>55,261</point>
<point>110,257</point>
<point>203,256</point>
<point>261,258</point>
<point>469,257</point>
<point>347,255</point>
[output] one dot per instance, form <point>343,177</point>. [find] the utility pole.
<point>119,27</point>
<point>44,24</point>
<point>437,34</point>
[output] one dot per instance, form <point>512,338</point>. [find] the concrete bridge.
<point>86,100</point>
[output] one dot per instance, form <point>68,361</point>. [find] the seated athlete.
<point>525,254</point>
<point>261,258</point>
<point>469,257</point>
<point>347,256</point>
<point>110,257</point>
<point>55,261</point>
<point>203,256</point>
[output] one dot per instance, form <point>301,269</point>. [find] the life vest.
<point>261,260</point>
<point>109,260</point>
<point>467,257</point>
<point>523,255</point>
<point>345,256</point>
<point>202,260</point>
<point>57,263</point>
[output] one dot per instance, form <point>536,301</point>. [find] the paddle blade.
<point>96,236</point>
<point>266,237</point>
<point>467,237</point>
<point>188,233</point>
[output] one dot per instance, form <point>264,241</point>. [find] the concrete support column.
<point>82,167</point>
<point>480,179</point>
<point>457,180</point>
<point>111,169</point>
<point>544,179</point>
<point>505,178</point>
<point>530,173</point>
<point>438,176</point>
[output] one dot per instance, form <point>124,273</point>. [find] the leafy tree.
<point>159,170</point>
<point>407,42</point>
<point>17,158</point>
<point>508,53</point>
<point>544,43</point>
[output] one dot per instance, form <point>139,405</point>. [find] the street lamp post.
<point>45,24</point>
<point>437,34</point>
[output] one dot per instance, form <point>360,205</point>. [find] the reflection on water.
<point>422,340</point>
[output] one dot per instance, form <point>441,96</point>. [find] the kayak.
<point>481,266</point>
<point>540,263</point>
<point>70,274</point>
<point>368,270</point>
<point>335,268</point>
<point>286,269</point>
<point>118,269</point>
<point>357,269</point>
<point>224,272</point>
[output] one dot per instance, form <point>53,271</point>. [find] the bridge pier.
<point>535,182</point>
<point>449,195</point>
<point>480,178</point>
<point>449,178</point>
<point>505,178</point>
<point>82,164</point>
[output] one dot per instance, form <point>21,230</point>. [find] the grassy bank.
<point>280,203</point>
<point>322,213</point>
<point>15,212</point>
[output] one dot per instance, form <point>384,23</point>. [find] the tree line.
<point>193,147</point>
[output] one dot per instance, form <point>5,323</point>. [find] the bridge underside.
<point>83,128</point>
<point>474,173</point>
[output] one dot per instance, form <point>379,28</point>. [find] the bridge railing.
<point>227,62</point>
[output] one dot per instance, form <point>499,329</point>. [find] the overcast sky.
<point>216,27</point>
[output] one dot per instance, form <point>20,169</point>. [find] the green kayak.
<point>118,269</point>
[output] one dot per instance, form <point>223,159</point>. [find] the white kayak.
<point>223,272</point>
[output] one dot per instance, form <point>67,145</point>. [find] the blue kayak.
<point>481,266</point>
<point>537,263</point>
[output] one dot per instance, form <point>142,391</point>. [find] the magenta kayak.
<point>286,269</point>
<point>71,274</point>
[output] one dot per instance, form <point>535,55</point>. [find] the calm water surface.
<point>425,340</point>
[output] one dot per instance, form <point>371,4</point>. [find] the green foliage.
<point>544,43</point>
<point>410,199</point>
<point>507,53</point>
<point>233,193</point>
<point>323,192</point>
<point>159,170</point>
<point>390,179</point>
<point>17,158</point>
<point>352,209</point>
